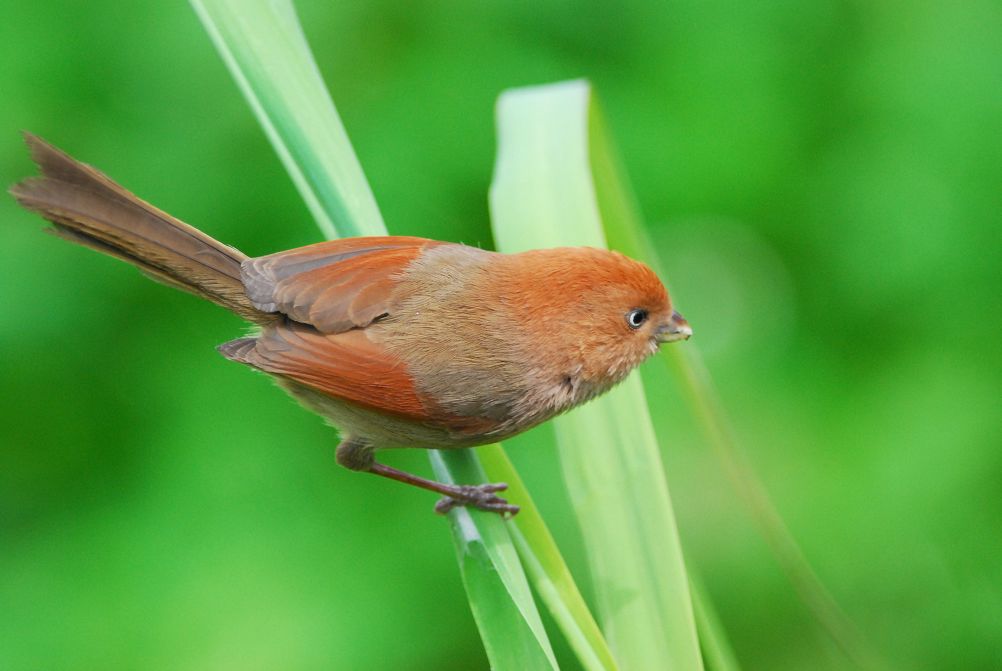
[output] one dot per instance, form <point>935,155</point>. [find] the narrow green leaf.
<point>543,195</point>
<point>498,590</point>
<point>546,567</point>
<point>717,652</point>
<point>697,388</point>
<point>263,45</point>
<point>626,233</point>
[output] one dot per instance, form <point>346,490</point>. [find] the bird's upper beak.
<point>676,328</point>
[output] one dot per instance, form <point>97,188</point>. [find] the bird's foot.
<point>475,496</point>
<point>482,497</point>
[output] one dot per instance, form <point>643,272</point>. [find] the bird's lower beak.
<point>676,328</point>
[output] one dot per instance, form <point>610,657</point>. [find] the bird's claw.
<point>482,497</point>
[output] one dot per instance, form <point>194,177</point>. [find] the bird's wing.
<point>334,286</point>
<point>346,366</point>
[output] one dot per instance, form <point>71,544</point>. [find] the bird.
<point>397,341</point>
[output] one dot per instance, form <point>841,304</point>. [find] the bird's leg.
<point>476,496</point>
<point>357,455</point>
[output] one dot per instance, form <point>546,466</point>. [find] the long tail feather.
<point>89,209</point>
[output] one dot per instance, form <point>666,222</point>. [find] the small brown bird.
<point>397,341</point>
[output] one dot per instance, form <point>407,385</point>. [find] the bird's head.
<point>601,314</point>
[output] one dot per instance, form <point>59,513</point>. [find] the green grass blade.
<point>717,652</point>
<point>263,45</point>
<point>543,195</point>
<point>494,577</point>
<point>698,389</point>
<point>546,567</point>
<point>617,204</point>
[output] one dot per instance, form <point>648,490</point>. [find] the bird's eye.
<point>636,318</point>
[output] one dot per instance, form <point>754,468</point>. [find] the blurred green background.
<point>823,182</point>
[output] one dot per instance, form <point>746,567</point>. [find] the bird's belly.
<point>383,430</point>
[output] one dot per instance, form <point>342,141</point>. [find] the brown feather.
<point>400,341</point>
<point>346,366</point>
<point>334,286</point>
<point>88,208</point>
<point>516,339</point>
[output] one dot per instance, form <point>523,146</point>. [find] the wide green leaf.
<point>544,195</point>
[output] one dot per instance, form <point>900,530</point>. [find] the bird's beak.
<point>676,328</point>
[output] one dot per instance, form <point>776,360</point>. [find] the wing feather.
<point>335,286</point>
<point>346,366</point>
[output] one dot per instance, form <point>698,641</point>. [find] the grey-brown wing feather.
<point>334,286</point>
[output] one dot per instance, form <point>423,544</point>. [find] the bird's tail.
<point>89,209</point>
